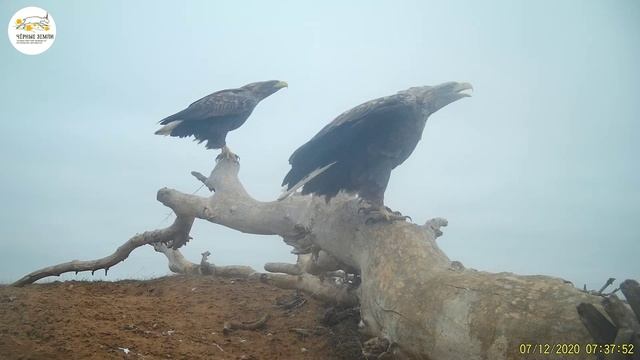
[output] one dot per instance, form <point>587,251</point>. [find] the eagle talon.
<point>381,214</point>
<point>393,212</point>
<point>226,154</point>
<point>386,218</point>
<point>367,210</point>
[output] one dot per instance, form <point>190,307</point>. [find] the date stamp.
<point>567,349</point>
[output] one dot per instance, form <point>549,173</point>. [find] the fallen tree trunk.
<point>411,294</point>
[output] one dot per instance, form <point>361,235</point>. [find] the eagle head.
<point>434,98</point>
<point>263,89</point>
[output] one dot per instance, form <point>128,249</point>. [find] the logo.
<point>32,30</point>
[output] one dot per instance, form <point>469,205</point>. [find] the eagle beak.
<point>445,94</point>
<point>462,88</point>
<point>281,84</point>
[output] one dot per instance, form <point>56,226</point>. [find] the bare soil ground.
<point>176,317</point>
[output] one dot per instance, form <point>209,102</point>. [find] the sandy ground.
<point>176,317</point>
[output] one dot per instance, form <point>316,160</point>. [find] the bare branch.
<point>177,262</point>
<point>606,285</point>
<point>180,265</point>
<point>285,268</point>
<point>203,179</point>
<point>312,285</point>
<point>179,230</point>
<point>245,325</point>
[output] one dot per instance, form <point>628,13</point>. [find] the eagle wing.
<point>325,147</point>
<point>363,112</point>
<point>219,104</point>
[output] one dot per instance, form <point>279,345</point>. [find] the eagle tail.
<point>312,175</point>
<point>167,129</point>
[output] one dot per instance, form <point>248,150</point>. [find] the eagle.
<point>212,117</point>
<point>357,151</point>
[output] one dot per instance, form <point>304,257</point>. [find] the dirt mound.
<point>177,317</point>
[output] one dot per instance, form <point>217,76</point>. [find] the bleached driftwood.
<point>179,265</point>
<point>411,294</point>
<point>286,276</point>
<point>178,232</point>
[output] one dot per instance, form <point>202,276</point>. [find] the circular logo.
<point>32,30</point>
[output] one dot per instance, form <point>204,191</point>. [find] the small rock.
<point>304,350</point>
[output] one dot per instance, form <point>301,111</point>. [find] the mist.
<point>537,173</point>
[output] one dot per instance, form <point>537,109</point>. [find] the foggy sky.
<point>537,173</point>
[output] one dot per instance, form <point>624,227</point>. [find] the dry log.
<point>411,294</point>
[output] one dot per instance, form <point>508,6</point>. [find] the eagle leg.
<point>226,154</point>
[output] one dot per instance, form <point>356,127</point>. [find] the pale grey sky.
<point>537,172</point>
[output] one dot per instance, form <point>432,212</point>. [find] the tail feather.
<point>167,129</point>
<point>180,115</point>
<point>312,175</point>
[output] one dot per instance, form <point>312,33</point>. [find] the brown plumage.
<point>365,143</point>
<point>212,117</point>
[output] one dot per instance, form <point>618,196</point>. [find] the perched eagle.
<point>357,151</point>
<point>212,117</point>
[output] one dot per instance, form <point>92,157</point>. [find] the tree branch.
<point>312,285</point>
<point>180,265</point>
<point>178,231</point>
